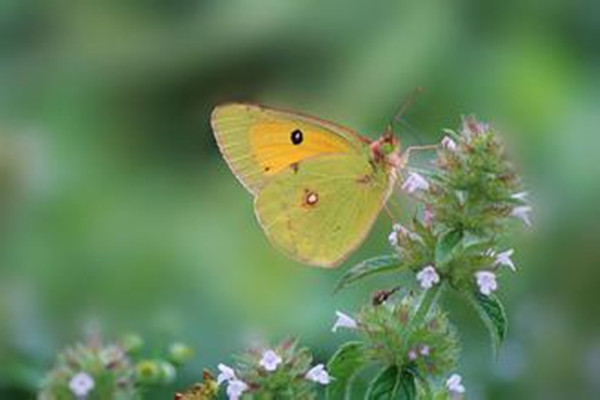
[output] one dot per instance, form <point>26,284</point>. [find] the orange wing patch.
<point>258,142</point>
<point>277,145</point>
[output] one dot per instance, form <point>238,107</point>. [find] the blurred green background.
<point>115,206</point>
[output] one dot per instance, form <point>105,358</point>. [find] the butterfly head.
<point>386,149</point>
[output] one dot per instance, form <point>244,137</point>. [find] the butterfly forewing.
<point>259,142</point>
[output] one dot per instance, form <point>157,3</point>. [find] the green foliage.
<point>416,244</point>
<point>343,366</point>
<point>392,384</point>
<point>411,344</point>
<point>391,337</point>
<point>490,310</point>
<point>472,187</point>
<point>370,267</point>
<point>446,244</point>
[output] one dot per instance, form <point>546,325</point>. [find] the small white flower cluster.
<point>343,321</point>
<point>399,230</point>
<point>522,212</point>
<point>415,182</point>
<point>454,385</point>
<point>422,350</point>
<point>318,374</point>
<point>81,384</point>
<point>270,361</point>
<point>235,386</point>
<point>486,280</point>
<point>393,236</point>
<point>449,144</point>
<point>428,277</point>
<point>504,259</point>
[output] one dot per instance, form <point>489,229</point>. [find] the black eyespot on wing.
<point>296,136</point>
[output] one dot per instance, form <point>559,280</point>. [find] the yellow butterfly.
<point>318,187</point>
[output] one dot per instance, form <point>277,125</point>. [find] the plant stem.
<point>428,299</point>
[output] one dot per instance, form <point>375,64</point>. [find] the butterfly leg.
<point>406,155</point>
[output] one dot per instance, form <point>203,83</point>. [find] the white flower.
<point>402,231</point>
<point>81,384</point>
<point>236,388</point>
<point>428,277</point>
<point>318,374</point>
<point>424,350</point>
<point>270,360</point>
<point>399,230</point>
<point>504,259</point>
<point>453,384</point>
<point>520,196</point>
<point>227,374</point>
<point>448,143</point>
<point>486,281</point>
<point>522,213</point>
<point>412,355</point>
<point>343,321</point>
<point>393,238</point>
<point>415,182</point>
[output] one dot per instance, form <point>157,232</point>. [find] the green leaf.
<point>425,232</point>
<point>407,389</point>
<point>343,366</point>
<point>473,242</point>
<point>492,314</point>
<point>423,389</point>
<point>392,384</point>
<point>368,267</point>
<point>446,244</point>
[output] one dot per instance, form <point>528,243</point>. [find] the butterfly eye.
<point>296,137</point>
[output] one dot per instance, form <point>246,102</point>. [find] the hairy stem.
<point>426,303</point>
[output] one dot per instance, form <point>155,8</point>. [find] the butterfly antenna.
<point>398,117</point>
<point>412,131</point>
<point>400,113</point>
<point>407,103</point>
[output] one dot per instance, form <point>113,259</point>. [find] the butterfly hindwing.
<point>259,142</point>
<point>320,209</point>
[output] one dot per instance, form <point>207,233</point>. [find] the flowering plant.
<point>96,370</point>
<point>465,204</point>
<point>282,372</point>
